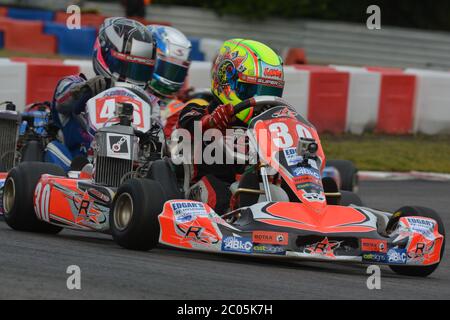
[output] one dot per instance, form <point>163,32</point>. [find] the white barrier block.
<point>200,74</point>
<point>363,99</point>
<point>296,89</point>
<point>432,101</point>
<point>84,65</point>
<point>13,83</point>
<point>210,48</point>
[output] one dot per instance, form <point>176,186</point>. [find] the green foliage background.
<point>424,14</point>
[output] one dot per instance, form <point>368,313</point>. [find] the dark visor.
<point>173,72</point>
<point>131,68</point>
<point>246,90</point>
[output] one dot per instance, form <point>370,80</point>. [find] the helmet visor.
<point>138,70</point>
<point>246,90</point>
<point>174,72</point>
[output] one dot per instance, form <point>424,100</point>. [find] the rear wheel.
<point>32,152</point>
<point>350,198</point>
<point>161,171</point>
<point>416,271</point>
<point>134,214</point>
<point>18,197</point>
<point>348,173</point>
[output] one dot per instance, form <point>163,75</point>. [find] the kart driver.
<point>171,70</point>
<point>242,70</point>
<point>124,51</point>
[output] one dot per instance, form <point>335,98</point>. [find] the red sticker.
<point>267,237</point>
<point>374,245</point>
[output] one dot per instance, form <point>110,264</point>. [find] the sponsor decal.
<point>292,158</point>
<point>423,226</point>
<point>323,248</point>
<point>269,249</point>
<point>194,232</point>
<point>99,195</point>
<point>302,171</point>
<point>285,113</point>
<point>421,252</point>
<point>266,237</point>
<point>130,58</point>
<point>397,256</point>
<point>263,81</point>
<point>314,197</point>
<point>119,146</point>
<point>187,211</point>
<point>273,73</point>
<point>237,244</point>
<point>375,257</point>
<point>374,245</point>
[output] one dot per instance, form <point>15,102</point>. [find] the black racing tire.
<point>134,214</point>
<point>18,197</point>
<point>350,198</point>
<point>33,151</point>
<point>161,171</point>
<point>348,172</point>
<point>416,271</point>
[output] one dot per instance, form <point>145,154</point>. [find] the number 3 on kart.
<point>283,138</point>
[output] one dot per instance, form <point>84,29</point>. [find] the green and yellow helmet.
<point>244,69</point>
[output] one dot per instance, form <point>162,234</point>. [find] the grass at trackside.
<point>391,153</point>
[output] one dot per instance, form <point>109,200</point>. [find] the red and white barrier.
<point>13,82</point>
<point>363,99</point>
<point>335,99</point>
<point>432,107</point>
<point>27,80</point>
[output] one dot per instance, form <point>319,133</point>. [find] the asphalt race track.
<point>34,266</point>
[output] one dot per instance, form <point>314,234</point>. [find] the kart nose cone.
<point>123,211</point>
<point>9,195</point>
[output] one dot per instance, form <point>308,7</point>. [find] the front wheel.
<point>416,271</point>
<point>348,172</point>
<point>134,214</point>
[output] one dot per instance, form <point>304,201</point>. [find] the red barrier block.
<point>295,56</point>
<point>328,98</point>
<point>396,109</point>
<point>3,11</point>
<point>42,79</point>
<point>87,19</point>
<point>39,61</point>
<point>4,23</point>
<point>28,36</point>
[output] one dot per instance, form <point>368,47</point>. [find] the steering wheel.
<point>260,102</point>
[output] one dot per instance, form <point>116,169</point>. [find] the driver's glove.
<point>98,84</point>
<point>221,117</point>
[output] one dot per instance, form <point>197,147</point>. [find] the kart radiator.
<point>9,131</point>
<point>115,148</point>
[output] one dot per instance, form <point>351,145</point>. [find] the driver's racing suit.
<point>69,101</point>
<point>212,182</point>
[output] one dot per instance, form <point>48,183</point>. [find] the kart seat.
<point>252,191</point>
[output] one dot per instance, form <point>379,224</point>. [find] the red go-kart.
<point>281,207</point>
